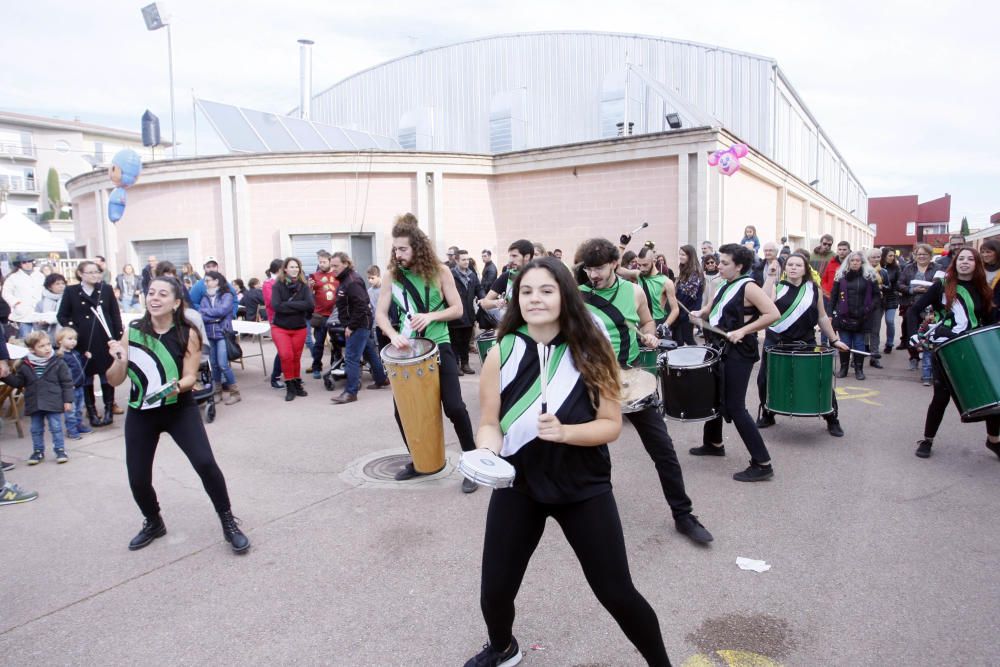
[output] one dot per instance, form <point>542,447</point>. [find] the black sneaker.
<point>887,349</point>
<point>408,472</point>
<point>993,447</point>
<point>755,473</point>
<point>834,428</point>
<point>689,525</point>
<point>708,450</point>
<point>468,486</point>
<point>6,465</point>
<point>61,456</point>
<point>490,658</point>
<point>924,448</point>
<point>277,384</point>
<point>151,529</point>
<point>36,457</point>
<point>766,419</point>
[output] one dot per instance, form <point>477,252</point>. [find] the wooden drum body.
<point>415,377</point>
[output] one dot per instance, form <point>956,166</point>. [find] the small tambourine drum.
<point>486,469</point>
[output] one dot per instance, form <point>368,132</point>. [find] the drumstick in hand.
<point>104,324</point>
<point>704,325</point>
<point>543,365</point>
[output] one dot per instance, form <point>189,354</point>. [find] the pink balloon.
<point>714,158</point>
<point>739,150</point>
<point>729,164</point>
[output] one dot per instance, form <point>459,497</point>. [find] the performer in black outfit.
<point>797,299</point>
<point>558,448</point>
<point>741,309</point>
<point>621,308</point>
<point>160,351</point>
<point>964,284</point>
<point>77,310</point>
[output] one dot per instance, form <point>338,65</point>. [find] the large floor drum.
<point>972,364</point>
<point>800,380</point>
<point>689,381</point>
<point>415,377</point>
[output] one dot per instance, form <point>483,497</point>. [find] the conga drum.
<point>800,380</point>
<point>484,342</point>
<point>972,364</point>
<point>415,378</point>
<point>689,380</point>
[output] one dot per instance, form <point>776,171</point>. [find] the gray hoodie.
<point>48,305</point>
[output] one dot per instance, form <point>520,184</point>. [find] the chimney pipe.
<point>305,77</point>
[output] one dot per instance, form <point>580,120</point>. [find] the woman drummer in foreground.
<point>797,299</point>
<point>962,302</point>
<point>558,448</point>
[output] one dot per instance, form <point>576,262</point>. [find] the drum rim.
<point>967,334</point>
<point>809,351</point>
<point>974,413</point>
<point>487,335</point>
<point>715,356</point>
<point>409,361</point>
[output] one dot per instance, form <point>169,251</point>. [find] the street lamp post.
<point>155,17</point>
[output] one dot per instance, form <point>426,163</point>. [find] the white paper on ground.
<point>751,564</point>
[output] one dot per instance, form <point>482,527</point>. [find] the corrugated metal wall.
<point>562,75</point>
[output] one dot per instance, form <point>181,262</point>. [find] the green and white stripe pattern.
<point>150,367</point>
<point>800,306</point>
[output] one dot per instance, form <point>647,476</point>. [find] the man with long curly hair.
<point>423,289</point>
<point>621,308</point>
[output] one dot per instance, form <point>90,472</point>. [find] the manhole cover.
<point>385,467</point>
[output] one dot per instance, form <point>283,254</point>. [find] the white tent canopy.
<point>18,233</point>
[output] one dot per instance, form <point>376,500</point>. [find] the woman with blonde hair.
<point>853,298</point>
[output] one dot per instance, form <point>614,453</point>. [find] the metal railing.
<point>19,184</point>
<point>17,149</point>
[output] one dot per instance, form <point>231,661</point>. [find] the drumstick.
<point>543,364</point>
<point>100,318</point>
<point>642,226</point>
<point>704,325</point>
<point>863,354</point>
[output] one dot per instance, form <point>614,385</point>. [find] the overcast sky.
<point>909,92</point>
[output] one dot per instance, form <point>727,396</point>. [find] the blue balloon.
<point>116,204</point>
<point>125,167</point>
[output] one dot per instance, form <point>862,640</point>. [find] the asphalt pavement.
<point>877,557</point>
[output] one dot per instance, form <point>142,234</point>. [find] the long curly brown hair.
<point>425,263</point>
<point>592,354</point>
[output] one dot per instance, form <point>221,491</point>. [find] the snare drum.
<point>484,342</point>
<point>689,381</point>
<point>638,389</point>
<point>486,469</point>
<point>800,380</point>
<point>970,363</point>
<point>647,360</point>
<point>415,378</point>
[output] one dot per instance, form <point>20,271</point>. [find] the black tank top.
<point>729,313</point>
<point>154,361</point>
<point>799,312</point>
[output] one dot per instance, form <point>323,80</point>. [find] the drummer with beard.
<point>556,440</point>
<point>962,302</point>
<point>741,309</point>
<point>621,309</point>
<point>520,253</point>
<point>801,309</point>
<point>423,289</point>
<point>659,290</point>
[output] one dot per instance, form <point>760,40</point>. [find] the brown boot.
<point>116,409</point>
<point>234,395</point>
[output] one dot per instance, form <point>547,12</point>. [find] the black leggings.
<point>514,525</point>
<point>736,372</point>
<point>451,401</point>
<point>939,403</point>
<point>183,424</point>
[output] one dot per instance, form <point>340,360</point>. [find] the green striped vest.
<point>419,298</point>
<point>615,308</point>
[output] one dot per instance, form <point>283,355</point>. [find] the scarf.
<point>211,291</point>
<point>39,363</point>
<point>465,275</point>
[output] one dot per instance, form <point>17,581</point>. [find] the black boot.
<point>289,390</point>
<point>91,402</point>
<point>766,418</point>
<point>298,388</point>
<point>859,367</point>
<point>845,362</point>
<point>109,411</point>
<point>833,427</point>
<point>231,531</point>
<point>151,529</point>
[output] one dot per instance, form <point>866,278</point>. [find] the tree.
<point>965,226</point>
<point>54,191</point>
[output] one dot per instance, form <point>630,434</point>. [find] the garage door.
<point>170,250</point>
<point>305,247</point>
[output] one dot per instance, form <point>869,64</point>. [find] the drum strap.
<point>410,291</point>
<point>615,316</point>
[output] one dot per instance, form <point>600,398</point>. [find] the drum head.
<point>486,468</point>
<point>487,336</point>
<point>419,347</point>
<point>636,384</point>
<point>691,356</point>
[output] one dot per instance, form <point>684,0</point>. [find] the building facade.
<point>901,221</point>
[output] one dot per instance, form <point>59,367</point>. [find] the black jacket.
<point>853,300</point>
<point>48,393</point>
<point>253,301</point>
<point>468,297</point>
<point>890,291</point>
<point>489,277</point>
<point>353,306</point>
<point>293,304</point>
<point>75,311</point>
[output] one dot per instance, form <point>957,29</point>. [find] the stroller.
<point>338,364</point>
<point>204,391</point>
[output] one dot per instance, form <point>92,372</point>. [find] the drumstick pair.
<point>704,325</point>
<point>99,314</point>
<point>543,364</point>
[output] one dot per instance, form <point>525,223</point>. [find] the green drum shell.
<point>971,361</point>
<point>484,342</point>
<point>647,360</point>
<point>800,382</point>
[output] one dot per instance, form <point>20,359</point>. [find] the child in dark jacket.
<point>48,393</point>
<point>67,340</point>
